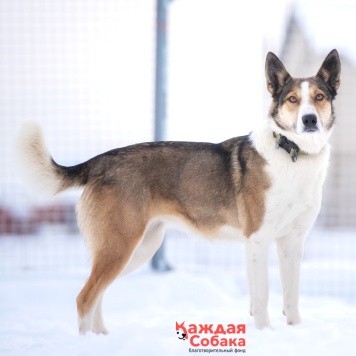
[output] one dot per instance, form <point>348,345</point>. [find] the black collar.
<point>291,147</point>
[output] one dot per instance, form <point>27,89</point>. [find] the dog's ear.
<point>276,74</point>
<point>329,72</point>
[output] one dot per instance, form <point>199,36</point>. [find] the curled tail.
<point>39,168</point>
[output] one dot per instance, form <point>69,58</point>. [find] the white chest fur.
<point>294,198</point>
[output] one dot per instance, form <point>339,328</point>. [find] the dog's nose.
<point>310,120</point>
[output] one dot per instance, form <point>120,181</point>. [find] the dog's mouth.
<point>183,337</point>
<point>311,129</point>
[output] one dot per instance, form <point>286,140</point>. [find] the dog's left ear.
<point>329,72</point>
<point>276,74</point>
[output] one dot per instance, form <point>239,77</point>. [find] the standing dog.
<point>258,188</point>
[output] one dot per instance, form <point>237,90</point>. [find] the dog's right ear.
<point>276,74</point>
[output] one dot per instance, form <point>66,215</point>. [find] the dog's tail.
<point>39,168</point>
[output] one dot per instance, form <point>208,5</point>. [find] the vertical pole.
<point>161,63</point>
<point>158,261</point>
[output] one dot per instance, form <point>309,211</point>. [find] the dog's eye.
<point>292,99</point>
<point>319,97</point>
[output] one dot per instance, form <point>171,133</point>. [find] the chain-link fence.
<point>85,71</point>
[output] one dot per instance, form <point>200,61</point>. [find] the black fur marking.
<point>276,74</point>
<point>318,82</point>
<point>289,86</point>
<point>78,174</point>
<point>79,171</point>
<point>280,99</point>
<point>329,72</point>
<point>244,140</point>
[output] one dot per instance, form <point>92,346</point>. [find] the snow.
<point>41,276</point>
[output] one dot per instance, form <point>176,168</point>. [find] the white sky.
<point>329,24</point>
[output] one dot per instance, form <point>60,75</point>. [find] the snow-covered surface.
<point>41,276</point>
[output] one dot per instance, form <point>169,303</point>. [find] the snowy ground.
<point>41,276</point>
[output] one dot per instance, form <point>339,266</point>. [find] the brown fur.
<point>205,186</point>
<point>131,193</point>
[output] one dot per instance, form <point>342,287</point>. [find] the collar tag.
<point>289,146</point>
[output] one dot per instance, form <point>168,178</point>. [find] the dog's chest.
<point>294,199</point>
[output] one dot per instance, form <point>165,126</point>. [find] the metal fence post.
<point>158,261</point>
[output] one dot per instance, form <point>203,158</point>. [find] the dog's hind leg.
<point>89,299</point>
<point>107,266</point>
<point>113,227</point>
<point>144,251</point>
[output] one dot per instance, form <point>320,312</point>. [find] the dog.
<point>259,188</point>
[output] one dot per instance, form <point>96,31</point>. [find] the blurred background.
<point>86,71</point>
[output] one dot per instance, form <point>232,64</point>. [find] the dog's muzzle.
<point>310,122</point>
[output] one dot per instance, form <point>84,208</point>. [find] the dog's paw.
<point>262,321</point>
<point>294,319</point>
<point>100,330</point>
<point>84,325</point>
<point>98,327</point>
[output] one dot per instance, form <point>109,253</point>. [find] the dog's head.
<point>184,331</point>
<point>302,108</point>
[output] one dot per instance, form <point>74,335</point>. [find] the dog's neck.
<point>264,141</point>
<point>291,147</point>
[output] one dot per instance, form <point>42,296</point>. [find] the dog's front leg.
<point>290,254</point>
<point>257,271</point>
